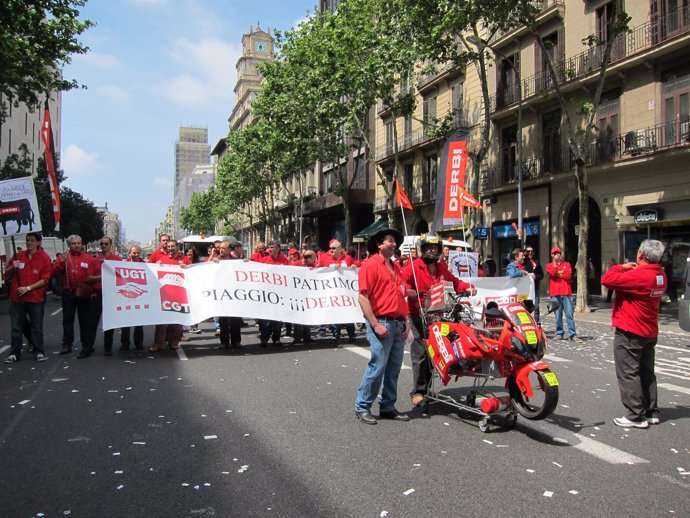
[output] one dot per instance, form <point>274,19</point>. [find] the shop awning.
<point>363,235</point>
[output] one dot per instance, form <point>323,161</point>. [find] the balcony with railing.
<point>639,39</point>
<point>440,72</point>
<point>641,142</point>
<point>380,204</point>
<point>544,6</point>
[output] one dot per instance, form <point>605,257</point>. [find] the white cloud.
<point>114,93</point>
<point>99,60</point>
<point>207,76</point>
<point>163,181</point>
<point>78,161</point>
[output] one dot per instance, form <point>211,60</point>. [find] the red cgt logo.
<point>129,282</point>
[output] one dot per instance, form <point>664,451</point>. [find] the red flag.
<point>467,200</point>
<point>401,197</point>
<point>49,153</point>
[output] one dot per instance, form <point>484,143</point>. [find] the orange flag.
<point>401,197</point>
<point>467,200</point>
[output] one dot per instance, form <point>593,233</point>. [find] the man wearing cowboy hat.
<point>382,299</point>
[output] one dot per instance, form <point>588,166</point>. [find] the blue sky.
<point>153,65</point>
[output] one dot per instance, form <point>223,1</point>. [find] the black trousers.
<point>230,330</point>
<point>81,308</point>
<point>269,329</point>
<point>421,365</point>
<point>634,359</point>
<point>138,337</point>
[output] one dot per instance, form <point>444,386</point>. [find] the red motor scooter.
<point>505,343</point>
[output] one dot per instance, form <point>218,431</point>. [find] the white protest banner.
<point>145,294</point>
<point>18,207</point>
<point>463,264</point>
<point>502,290</point>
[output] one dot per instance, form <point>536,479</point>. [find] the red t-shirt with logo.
<point>31,268</point>
<point>98,266</point>
<point>179,259</point>
<point>73,269</point>
<point>327,259</point>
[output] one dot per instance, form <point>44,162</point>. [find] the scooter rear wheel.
<point>544,400</point>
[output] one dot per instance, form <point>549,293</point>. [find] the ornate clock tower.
<point>257,47</point>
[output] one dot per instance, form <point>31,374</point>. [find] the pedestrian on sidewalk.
<point>560,290</point>
<point>382,299</point>
<point>639,287</point>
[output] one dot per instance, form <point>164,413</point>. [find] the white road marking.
<point>4,348</point>
<point>674,388</point>
<point>555,359</point>
<point>364,353</point>
<point>56,312</point>
<point>670,348</point>
<point>590,446</point>
<point>181,354</point>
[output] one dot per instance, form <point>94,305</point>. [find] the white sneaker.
<point>11,359</point>
<point>41,357</point>
<point>653,420</point>
<point>627,423</point>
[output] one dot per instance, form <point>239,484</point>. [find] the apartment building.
<point>637,165</point>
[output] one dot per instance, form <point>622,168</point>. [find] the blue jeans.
<point>18,313</point>
<point>384,367</point>
<point>566,304</point>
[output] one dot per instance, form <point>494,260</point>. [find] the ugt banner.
<point>451,180</point>
<point>143,293</point>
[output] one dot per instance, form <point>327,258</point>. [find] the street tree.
<point>579,113</point>
<point>37,39</point>
<point>79,216</point>
<point>199,217</point>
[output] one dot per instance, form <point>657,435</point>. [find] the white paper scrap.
<point>119,472</point>
<point>118,411</point>
<point>120,487</point>
<point>487,441</point>
<point>115,454</point>
<point>383,514</point>
<point>138,442</point>
<point>24,402</point>
<point>573,492</point>
<point>556,464</point>
<point>408,492</point>
<point>184,484</point>
<point>548,494</point>
<point>530,471</point>
<point>208,437</point>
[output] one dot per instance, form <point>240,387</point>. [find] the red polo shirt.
<point>179,259</point>
<point>73,269</point>
<point>327,259</point>
<point>268,259</point>
<point>638,292</point>
<point>157,254</point>
<point>385,289</point>
<point>425,281</point>
<point>31,269</point>
<point>98,266</point>
<point>257,256</point>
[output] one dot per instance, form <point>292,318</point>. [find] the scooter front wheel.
<point>544,400</point>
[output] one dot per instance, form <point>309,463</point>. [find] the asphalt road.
<point>272,432</point>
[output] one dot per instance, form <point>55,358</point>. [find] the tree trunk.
<point>347,220</point>
<point>581,304</point>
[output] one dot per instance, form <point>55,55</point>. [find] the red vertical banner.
<point>49,153</point>
<point>448,209</point>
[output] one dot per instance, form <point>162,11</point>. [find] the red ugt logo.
<point>129,282</point>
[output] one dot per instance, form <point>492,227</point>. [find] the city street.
<point>272,432</point>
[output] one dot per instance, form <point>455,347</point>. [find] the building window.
<point>676,97</point>
<point>408,178</point>
<point>551,140</point>
<point>508,71</point>
<point>456,99</point>
<point>429,176</point>
<point>429,112</point>
<point>509,154</point>
<point>407,128</point>
<point>608,125</point>
<point>390,135</point>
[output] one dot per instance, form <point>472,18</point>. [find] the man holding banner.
<point>382,300</point>
<point>420,275</point>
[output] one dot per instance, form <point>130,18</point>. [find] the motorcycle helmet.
<point>425,242</point>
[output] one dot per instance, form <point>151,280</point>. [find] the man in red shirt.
<point>133,257</point>
<point>303,332</point>
<point>169,334</point>
<point>73,269</point>
<point>30,270</point>
<point>230,327</point>
<point>420,275</point>
<point>382,299</point>
<point>259,253</point>
<point>106,253</point>
<point>560,290</point>
<point>271,328</point>
<point>337,258</point>
<point>161,250</point>
<point>639,288</point>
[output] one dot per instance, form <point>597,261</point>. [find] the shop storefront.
<point>506,240</point>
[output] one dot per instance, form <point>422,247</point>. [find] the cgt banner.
<point>144,294</point>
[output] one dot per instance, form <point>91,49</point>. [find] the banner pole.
<point>414,274</point>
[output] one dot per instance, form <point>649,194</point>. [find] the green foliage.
<point>37,39</point>
<point>79,216</point>
<point>198,217</point>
